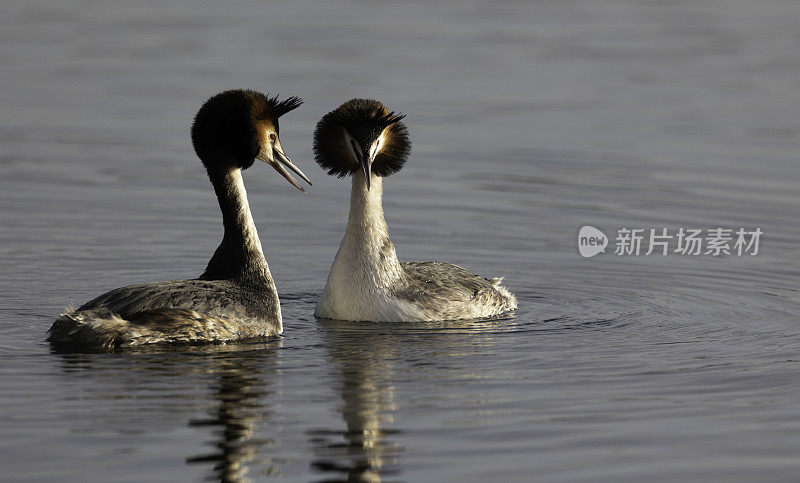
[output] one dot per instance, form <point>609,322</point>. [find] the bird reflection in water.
<point>366,359</point>
<point>364,451</point>
<point>243,395</point>
<point>241,380</point>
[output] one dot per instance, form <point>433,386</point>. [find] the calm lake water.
<point>529,120</point>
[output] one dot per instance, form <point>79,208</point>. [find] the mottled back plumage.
<point>235,297</point>
<point>367,282</point>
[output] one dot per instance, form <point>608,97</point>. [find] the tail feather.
<point>511,299</point>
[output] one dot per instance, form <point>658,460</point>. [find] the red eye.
<point>272,136</point>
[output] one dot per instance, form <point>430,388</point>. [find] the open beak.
<point>276,158</point>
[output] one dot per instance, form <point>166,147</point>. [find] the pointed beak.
<point>366,163</point>
<point>275,157</point>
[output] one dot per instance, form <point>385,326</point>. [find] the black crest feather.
<point>289,104</point>
<point>224,129</point>
<point>266,107</point>
<point>363,119</point>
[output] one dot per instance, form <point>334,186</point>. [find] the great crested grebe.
<point>363,139</point>
<point>235,298</point>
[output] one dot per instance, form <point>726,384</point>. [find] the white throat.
<point>366,247</point>
<point>244,217</point>
<point>366,267</point>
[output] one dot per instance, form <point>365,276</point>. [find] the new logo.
<point>591,241</point>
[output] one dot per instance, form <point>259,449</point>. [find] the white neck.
<point>243,216</point>
<point>366,246</point>
<point>366,266</point>
<point>239,256</point>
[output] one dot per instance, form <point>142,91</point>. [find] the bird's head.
<point>361,135</point>
<point>234,128</point>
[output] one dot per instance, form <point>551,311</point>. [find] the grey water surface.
<point>528,120</point>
